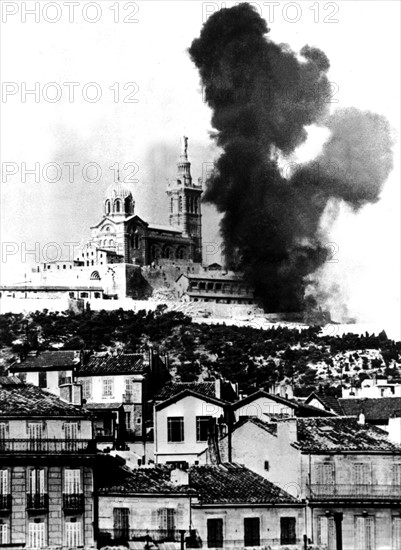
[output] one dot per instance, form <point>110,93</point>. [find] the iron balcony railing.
<point>47,446</point>
<point>151,535</point>
<point>355,491</point>
<point>37,501</point>
<point>5,503</point>
<point>73,502</point>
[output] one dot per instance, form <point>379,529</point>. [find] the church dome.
<point>117,191</point>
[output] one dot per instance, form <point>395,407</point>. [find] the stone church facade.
<point>132,240</point>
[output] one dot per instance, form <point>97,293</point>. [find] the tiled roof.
<point>328,401</point>
<point>341,434</point>
<point>173,388</point>
<point>381,408</point>
<point>25,400</point>
<point>132,363</point>
<point>47,360</point>
<point>186,393</point>
<point>7,380</point>
<point>104,406</point>
<point>234,484</point>
<point>223,483</point>
<point>140,480</point>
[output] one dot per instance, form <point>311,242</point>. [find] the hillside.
<point>250,356</point>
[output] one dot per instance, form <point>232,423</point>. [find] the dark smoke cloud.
<point>262,97</point>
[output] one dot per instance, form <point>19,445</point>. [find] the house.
<point>48,370</point>
<point>219,388</point>
<point>214,286</point>
<point>373,388</point>
<point>182,425</point>
<point>325,402</point>
<point>116,387</point>
<point>349,474</point>
<point>266,405</point>
<point>47,461</point>
<point>214,506</point>
<point>384,412</point>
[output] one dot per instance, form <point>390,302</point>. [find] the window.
<point>288,531</point>
<point>121,522</point>
<point>35,430</point>
<point>86,384</point>
<point>3,483</point>
<point>72,482</point>
<point>362,474</point>
<point>326,532</point>
<point>364,533</point>
<point>3,431</point>
<point>251,531</point>
<point>175,429</point>
<point>396,533</point>
<point>42,379</point>
<point>129,386</point>
<point>36,534</point>
<point>166,520</point>
<point>108,387</point>
<point>180,204</point>
<point>396,473</point>
<point>202,427</point>
<point>267,465</point>
<point>215,533</point>
<point>172,205</point>
<point>325,476</point>
<point>73,533</point>
<point>3,533</point>
<point>117,206</point>
<point>107,207</point>
<point>36,481</point>
<point>71,430</point>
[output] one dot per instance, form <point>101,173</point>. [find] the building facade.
<point>46,470</point>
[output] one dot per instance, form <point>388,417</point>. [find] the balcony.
<point>355,492</point>
<point>36,502</point>
<point>73,503</point>
<point>5,503</point>
<point>47,446</point>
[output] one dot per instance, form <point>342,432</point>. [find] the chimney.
<point>361,418</point>
<point>287,430</point>
<point>179,477</point>
<point>282,390</point>
<point>289,391</point>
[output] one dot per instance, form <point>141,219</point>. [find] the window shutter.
<point>3,482</point>
<point>3,533</point>
<point>396,533</point>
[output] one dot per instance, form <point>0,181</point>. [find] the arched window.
<point>104,242</point>
<point>128,205</point>
<point>95,276</point>
<point>117,206</point>
<point>111,242</point>
<point>172,205</point>
<point>107,207</point>
<point>180,204</point>
<point>180,254</point>
<point>155,252</point>
<point>136,241</point>
<point>167,253</point>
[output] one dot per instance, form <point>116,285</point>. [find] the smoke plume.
<point>263,96</point>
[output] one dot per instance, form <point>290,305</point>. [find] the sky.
<point>115,86</point>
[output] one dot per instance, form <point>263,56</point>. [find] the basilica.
<point>125,237</point>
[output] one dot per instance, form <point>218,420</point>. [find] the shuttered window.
<point>251,531</point>
<point>396,474</point>
<point>166,518</point>
<point>73,534</point>
<point>3,482</point>
<point>108,387</point>
<point>121,522</point>
<point>362,474</point>
<point>3,533</point>
<point>36,481</point>
<point>326,532</point>
<point>364,533</point>
<point>72,482</point>
<point>36,534</point>
<point>3,430</point>
<point>71,430</point>
<point>288,531</point>
<point>325,474</point>
<point>215,533</point>
<point>396,533</point>
<point>35,430</point>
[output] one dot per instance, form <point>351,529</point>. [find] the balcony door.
<point>326,532</point>
<point>364,533</point>
<point>35,435</point>
<point>37,534</point>
<point>121,523</point>
<point>71,435</point>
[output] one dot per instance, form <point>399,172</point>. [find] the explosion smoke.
<point>263,97</point>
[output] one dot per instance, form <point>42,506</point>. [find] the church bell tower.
<point>185,203</point>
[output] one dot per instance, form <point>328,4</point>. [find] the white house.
<point>181,426</point>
